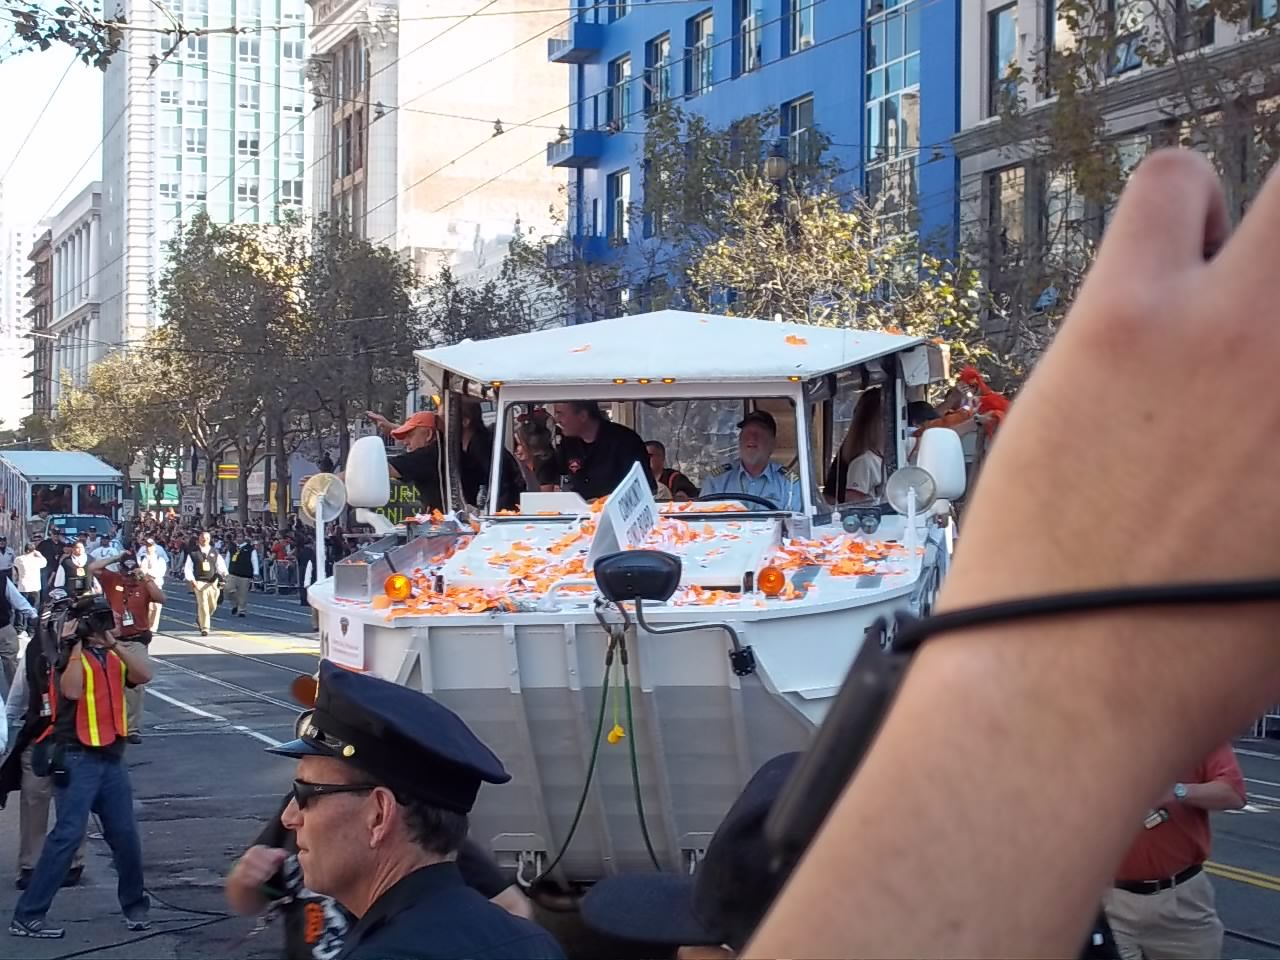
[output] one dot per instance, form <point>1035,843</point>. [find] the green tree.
<point>820,258</point>
<point>1068,114</point>
<point>361,327</point>
<point>82,27</point>
<point>232,327</point>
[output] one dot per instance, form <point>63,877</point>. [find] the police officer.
<point>755,473</point>
<point>385,781</point>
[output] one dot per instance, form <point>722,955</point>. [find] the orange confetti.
<point>380,602</point>
<point>582,349</point>
<point>794,341</point>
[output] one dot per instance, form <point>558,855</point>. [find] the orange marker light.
<point>398,587</point>
<point>304,690</point>
<point>771,581</point>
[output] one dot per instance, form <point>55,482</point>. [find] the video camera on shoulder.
<point>90,611</point>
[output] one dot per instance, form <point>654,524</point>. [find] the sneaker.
<point>72,879</point>
<point>234,611</point>
<point>35,929</point>
<point>135,737</point>
<point>139,921</point>
<point>241,614</point>
<point>24,879</point>
<point>204,633</point>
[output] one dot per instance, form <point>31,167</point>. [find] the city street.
<point>204,786</point>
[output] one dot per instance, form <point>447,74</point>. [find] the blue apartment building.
<point>880,78</point>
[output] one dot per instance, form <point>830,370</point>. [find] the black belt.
<point>1147,887</point>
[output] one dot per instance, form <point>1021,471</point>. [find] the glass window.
<point>196,92</point>
<point>618,188</point>
<point>619,103</point>
<point>170,139</point>
<point>698,58</point>
<point>197,48</point>
<point>800,139</point>
<point>1006,203</point>
<point>293,144</point>
<point>247,49</point>
<point>291,50</point>
<point>248,95</point>
<point>800,25</point>
<point>169,189</point>
<point>246,144</point>
<point>748,51</point>
<point>194,186</point>
<point>617,9</point>
<point>1264,11</point>
<point>657,87</point>
<point>170,91</point>
<point>1127,16</point>
<point>1195,19</point>
<point>246,191</point>
<point>1002,57</point>
<point>291,193</point>
<point>51,498</point>
<point>292,106</point>
<point>196,141</point>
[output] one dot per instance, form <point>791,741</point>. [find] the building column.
<point>94,266</point>
<point>57,267</point>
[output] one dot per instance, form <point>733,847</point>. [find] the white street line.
<point>239,728</point>
<point>1241,751</point>
<point>1265,783</point>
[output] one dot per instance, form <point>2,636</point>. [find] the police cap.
<point>404,739</point>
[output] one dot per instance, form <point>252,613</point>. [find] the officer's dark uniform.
<point>417,747</point>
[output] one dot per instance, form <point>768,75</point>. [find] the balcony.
<point>580,46</point>
<point>582,148</point>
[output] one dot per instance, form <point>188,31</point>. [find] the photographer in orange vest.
<point>88,769</point>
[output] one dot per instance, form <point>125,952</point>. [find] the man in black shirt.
<point>595,454</point>
<point>421,461</point>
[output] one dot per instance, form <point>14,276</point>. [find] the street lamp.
<point>776,165</point>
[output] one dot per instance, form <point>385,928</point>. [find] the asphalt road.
<point>204,788</point>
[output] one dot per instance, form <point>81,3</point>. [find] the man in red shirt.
<point>131,593</point>
<point>1162,904</point>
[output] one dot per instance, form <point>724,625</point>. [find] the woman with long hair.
<point>863,450</point>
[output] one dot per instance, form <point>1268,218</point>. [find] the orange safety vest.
<point>100,714</point>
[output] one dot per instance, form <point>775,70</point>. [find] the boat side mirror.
<point>638,575</point>
<point>367,478</point>
<point>941,452</point>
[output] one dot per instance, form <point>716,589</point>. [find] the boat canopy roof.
<point>664,346</point>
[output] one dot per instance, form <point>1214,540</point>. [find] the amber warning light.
<point>398,587</point>
<point>771,581</point>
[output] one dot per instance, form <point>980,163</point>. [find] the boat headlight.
<point>398,587</point>
<point>870,522</point>
<point>771,581</point>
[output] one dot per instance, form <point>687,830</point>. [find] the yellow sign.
<point>271,501</point>
<point>228,471</point>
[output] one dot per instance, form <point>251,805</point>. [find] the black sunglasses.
<point>304,792</point>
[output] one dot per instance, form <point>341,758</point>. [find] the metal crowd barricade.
<point>286,575</point>
<point>1266,724</point>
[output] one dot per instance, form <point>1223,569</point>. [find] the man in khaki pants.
<point>131,594</point>
<point>30,721</point>
<point>1162,904</point>
<point>204,571</point>
<point>242,570</point>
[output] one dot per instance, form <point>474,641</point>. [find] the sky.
<point>62,136</point>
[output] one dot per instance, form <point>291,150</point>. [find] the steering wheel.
<point>744,497</point>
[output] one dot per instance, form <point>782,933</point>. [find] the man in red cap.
<point>421,462</point>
